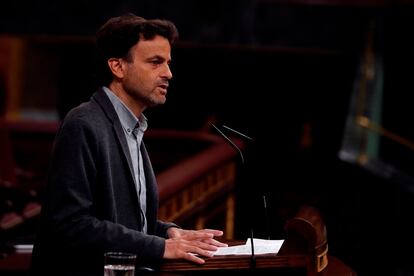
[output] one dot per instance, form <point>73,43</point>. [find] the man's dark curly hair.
<point>119,34</point>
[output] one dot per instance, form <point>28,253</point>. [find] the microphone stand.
<point>266,217</point>
<point>253,257</point>
<point>264,196</point>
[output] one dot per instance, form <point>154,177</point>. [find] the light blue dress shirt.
<point>134,129</point>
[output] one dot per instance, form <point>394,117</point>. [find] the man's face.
<point>147,74</point>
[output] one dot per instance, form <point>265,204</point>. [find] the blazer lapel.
<point>124,145</point>
<point>106,105</point>
<point>152,191</point>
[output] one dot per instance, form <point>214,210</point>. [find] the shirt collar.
<point>128,119</point>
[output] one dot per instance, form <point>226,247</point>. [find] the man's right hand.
<point>190,246</point>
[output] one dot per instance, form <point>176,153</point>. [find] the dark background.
<point>282,72</point>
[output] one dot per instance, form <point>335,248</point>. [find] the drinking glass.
<point>119,264</point>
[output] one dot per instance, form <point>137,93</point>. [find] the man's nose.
<point>167,72</point>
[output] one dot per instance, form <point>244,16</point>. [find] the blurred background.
<point>324,88</point>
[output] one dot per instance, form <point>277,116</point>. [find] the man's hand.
<point>184,244</point>
<point>174,232</point>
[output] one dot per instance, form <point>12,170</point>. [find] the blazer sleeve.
<point>162,228</point>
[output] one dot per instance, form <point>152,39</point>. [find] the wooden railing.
<point>196,185</point>
<point>199,188</point>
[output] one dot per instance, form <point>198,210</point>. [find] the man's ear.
<point>116,66</point>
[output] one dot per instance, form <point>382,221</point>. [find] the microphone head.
<point>239,133</point>
<point>230,142</point>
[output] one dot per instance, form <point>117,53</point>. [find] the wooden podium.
<point>304,252</point>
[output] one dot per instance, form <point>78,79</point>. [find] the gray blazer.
<point>90,203</point>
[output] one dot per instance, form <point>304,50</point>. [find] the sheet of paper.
<point>23,248</point>
<point>261,246</point>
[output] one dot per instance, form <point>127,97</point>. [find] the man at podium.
<point>101,193</point>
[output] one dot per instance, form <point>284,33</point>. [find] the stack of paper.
<point>261,246</point>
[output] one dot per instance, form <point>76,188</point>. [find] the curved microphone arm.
<point>231,142</point>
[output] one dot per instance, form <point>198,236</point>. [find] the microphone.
<point>264,196</point>
<point>231,143</point>
<point>253,257</point>
<point>238,133</point>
